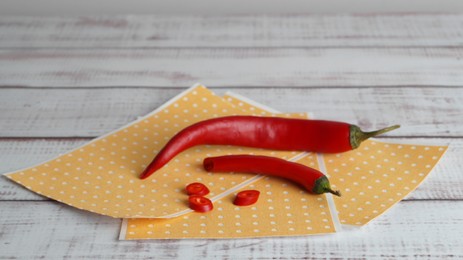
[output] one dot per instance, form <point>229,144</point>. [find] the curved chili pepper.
<point>265,132</point>
<point>311,179</point>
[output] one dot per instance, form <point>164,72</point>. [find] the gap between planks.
<point>89,138</point>
<point>215,87</point>
<point>389,47</point>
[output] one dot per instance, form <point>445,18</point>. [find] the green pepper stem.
<point>379,132</point>
<point>322,185</point>
<point>334,192</point>
<point>357,135</point>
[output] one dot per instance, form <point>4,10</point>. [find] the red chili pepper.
<point>246,197</point>
<point>265,132</point>
<point>311,179</point>
<point>197,188</point>
<point>200,203</point>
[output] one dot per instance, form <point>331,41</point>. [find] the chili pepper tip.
<point>145,174</point>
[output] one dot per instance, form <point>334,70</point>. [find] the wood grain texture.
<point>16,154</point>
<point>65,80</point>
<point>365,30</point>
<point>444,182</point>
<point>54,231</point>
<point>229,67</point>
<point>93,112</point>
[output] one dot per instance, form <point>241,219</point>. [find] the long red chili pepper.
<point>311,179</point>
<point>265,132</point>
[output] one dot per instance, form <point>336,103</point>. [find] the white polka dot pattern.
<point>377,175</point>
<point>102,176</point>
<point>283,209</point>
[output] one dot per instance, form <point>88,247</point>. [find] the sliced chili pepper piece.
<point>200,203</point>
<point>265,132</point>
<point>246,197</point>
<point>197,188</point>
<point>311,179</point>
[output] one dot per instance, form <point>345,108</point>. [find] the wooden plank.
<point>444,182</point>
<point>92,112</point>
<point>418,229</point>
<point>66,108</point>
<point>228,67</point>
<point>294,30</point>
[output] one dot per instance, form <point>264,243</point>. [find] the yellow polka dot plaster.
<point>283,209</point>
<point>377,175</point>
<point>102,176</point>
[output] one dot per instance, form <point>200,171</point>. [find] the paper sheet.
<point>102,176</point>
<point>377,175</point>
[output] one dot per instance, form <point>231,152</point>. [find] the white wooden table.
<point>64,81</point>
